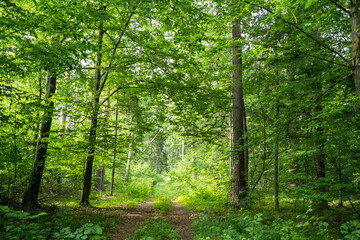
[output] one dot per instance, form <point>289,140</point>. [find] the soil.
<point>132,218</point>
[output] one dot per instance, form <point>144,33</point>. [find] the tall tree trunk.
<point>94,122</point>
<point>127,173</point>
<point>30,197</point>
<point>355,54</point>
<point>63,117</point>
<point>114,154</point>
<point>100,179</point>
<point>276,158</point>
<point>239,171</point>
<point>37,113</point>
<point>320,203</point>
<point>183,146</point>
<point>230,144</point>
<point>246,149</point>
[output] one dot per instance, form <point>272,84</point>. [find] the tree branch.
<point>300,29</point>
<point>121,87</point>
<point>114,50</point>
<point>341,7</point>
<point>293,118</point>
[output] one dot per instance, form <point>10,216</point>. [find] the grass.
<point>155,228</point>
<point>163,204</point>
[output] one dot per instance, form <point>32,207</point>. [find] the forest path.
<point>181,220</point>
<point>132,218</point>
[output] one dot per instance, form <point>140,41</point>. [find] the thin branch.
<point>292,119</point>
<point>110,38</point>
<point>114,50</point>
<point>323,59</point>
<point>341,7</point>
<point>300,29</point>
<point>119,88</point>
<point>308,54</point>
<point>320,96</point>
<point>52,228</point>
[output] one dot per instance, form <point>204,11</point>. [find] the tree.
<point>355,54</point>
<point>238,153</point>
<point>30,197</point>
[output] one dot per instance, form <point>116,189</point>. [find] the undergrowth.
<point>265,226</point>
<point>18,224</point>
<point>155,228</point>
<point>162,199</point>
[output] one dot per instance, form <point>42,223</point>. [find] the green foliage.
<point>163,203</point>
<point>201,182</point>
<point>87,231</point>
<point>155,229</point>
<point>19,224</point>
<point>256,226</point>
<point>136,190</point>
<point>162,200</point>
<point>207,200</point>
<point>351,229</point>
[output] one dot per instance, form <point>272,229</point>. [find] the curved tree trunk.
<point>30,197</point>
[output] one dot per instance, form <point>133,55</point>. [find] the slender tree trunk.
<point>94,122</point>
<point>127,173</point>
<point>339,170</point>
<point>37,113</point>
<point>230,144</point>
<point>239,172</point>
<point>276,159</point>
<point>114,154</point>
<point>99,179</point>
<point>246,149</point>
<point>63,117</point>
<point>321,203</point>
<point>30,197</point>
<point>183,146</point>
<point>355,26</point>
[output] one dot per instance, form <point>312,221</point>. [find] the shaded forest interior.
<point>246,112</point>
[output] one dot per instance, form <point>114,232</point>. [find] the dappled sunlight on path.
<point>132,218</point>
<point>181,220</point>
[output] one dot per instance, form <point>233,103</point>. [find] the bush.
<point>258,226</point>
<point>23,225</point>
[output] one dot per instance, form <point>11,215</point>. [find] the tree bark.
<point>246,149</point>
<point>183,146</point>
<point>320,203</point>
<point>114,154</point>
<point>127,173</point>
<point>276,159</point>
<point>230,144</point>
<point>94,122</point>
<point>355,54</point>
<point>30,197</point>
<point>239,172</point>
<point>100,179</point>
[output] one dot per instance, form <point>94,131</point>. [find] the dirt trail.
<point>132,218</point>
<point>181,219</point>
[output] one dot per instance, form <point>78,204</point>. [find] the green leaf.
<point>308,3</point>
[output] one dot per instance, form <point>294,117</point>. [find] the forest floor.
<point>133,217</point>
